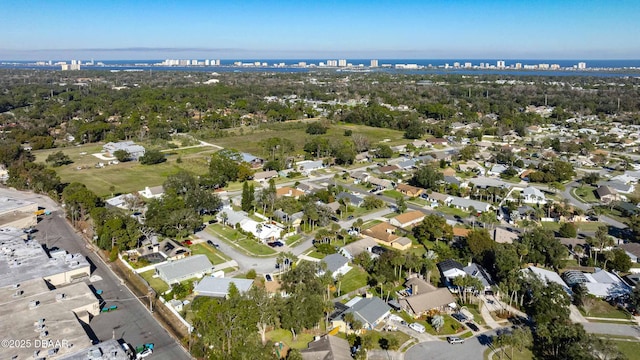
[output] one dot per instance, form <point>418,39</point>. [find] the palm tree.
<point>437,322</point>
<point>608,256</point>
<point>224,217</point>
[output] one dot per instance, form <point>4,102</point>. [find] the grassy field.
<point>281,335</point>
<point>354,279</point>
<point>156,283</point>
<point>123,177</point>
<point>630,349</point>
<point>292,239</point>
<point>580,226</point>
<point>251,247</point>
<point>526,354</point>
<point>602,309</point>
<point>585,194</point>
<point>216,257</point>
<point>249,141</point>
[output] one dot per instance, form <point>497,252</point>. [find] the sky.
<point>307,29</point>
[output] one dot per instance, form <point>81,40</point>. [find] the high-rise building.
<point>342,63</point>
<point>500,64</point>
<point>518,66</point>
<point>374,63</point>
<point>582,65</point>
<point>468,65</point>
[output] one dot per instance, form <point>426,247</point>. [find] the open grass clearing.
<point>630,349</point>
<point>215,256</point>
<point>353,280</point>
<point>285,336</point>
<point>156,283</point>
<point>602,309</point>
<point>585,194</point>
<point>292,240</point>
<point>248,246</point>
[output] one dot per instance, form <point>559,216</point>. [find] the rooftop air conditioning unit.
<point>59,297</point>
<point>18,293</point>
<point>33,304</point>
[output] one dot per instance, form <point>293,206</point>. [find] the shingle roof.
<point>179,269</point>
<point>409,216</point>
<point>335,262</point>
<point>369,310</point>
<point>219,287</point>
<point>427,301</point>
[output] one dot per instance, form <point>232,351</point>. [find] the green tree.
<point>317,128</point>
<point>122,155</point>
<point>401,205</point>
<point>427,177</point>
<point>480,242</point>
<point>384,151</point>
<point>371,202</point>
<point>58,159</point>
<point>223,168</point>
<point>567,230</point>
<point>152,157</point>
<point>621,261</point>
<point>247,196</point>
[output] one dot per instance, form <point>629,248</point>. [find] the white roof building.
<point>547,276</point>
<point>195,266</point>
<point>532,195</point>
<point>219,287</point>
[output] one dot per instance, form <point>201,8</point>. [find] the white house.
<point>155,192</point>
<point>262,231</point>
<point>532,195</point>
<point>307,166</point>
<point>135,151</point>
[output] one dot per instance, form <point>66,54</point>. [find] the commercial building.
<point>374,63</point>
<point>108,350</point>
<point>219,287</point>
<point>23,260</point>
<point>342,63</point>
<point>17,213</point>
<point>48,322</point>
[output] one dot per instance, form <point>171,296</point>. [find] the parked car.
<point>146,352</point>
<point>187,242</point>
<point>278,243</point>
<point>350,217</point>
<point>454,340</point>
<point>213,244</point>
<point>472,326</point>
<point>459,316</point>
<point>30,230</point>
<point>417,327</point>
<point>268,277</point>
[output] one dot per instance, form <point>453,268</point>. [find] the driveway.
<point>472,349</point>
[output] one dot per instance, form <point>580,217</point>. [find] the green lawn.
<point>602,309</point>
<point>281,335</point>
<point>354,279</point>
<point>316,254</point>
<point>393,193</point>
<point>525,354</point>
<point>370,224</point>
<point>476,314</point>
<point>292,239</point>
<point>215,256</point>
<point>585,194</point>
<point>156,283</point>
<point>380,337</point>
<point>418,201</point>
<point>580,226</point>
<point>251,247</point>
<point>124,177</point>
<point>630,349</point>
<point>250,139</point>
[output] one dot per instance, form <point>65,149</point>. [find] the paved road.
<point>471,349</point>
<point>132,321</point>
<point>612,329</point>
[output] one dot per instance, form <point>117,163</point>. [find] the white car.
<point>417,327</point>
<point>144,353</point>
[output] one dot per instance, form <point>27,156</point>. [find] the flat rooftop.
<point>22,260</point>
<point>107,350</point>
<point>45,319</point>
<point>11,204</point>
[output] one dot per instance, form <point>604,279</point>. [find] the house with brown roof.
<point>327,348</point>
<point>408,190</point>
<point>459,233</point>
<point>388,169</point>
<point>262,176</point>
<point>407,219</point>
<point>289,192</point>
<point>421,303</point>
<point>437,141</point>
<point>383,234</point>
<point>632,250</point>
<point>503,236</point>
<point>607,194</point>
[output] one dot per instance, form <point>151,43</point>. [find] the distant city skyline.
<point>351,29</point>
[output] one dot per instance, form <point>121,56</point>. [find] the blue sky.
<point>447,29</point>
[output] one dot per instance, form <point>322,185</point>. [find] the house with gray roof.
<point>327,348</point>
<point>355,200</point>
<point>336,264</point>
<point>532,195</point>
<point>308,166</point>
<point>467,204</point>
<point>619,186</point>
<point>479,273</point>
<point>134,150</point>
<point>350,251</point>
<point>195,266</point>
<point>371,311</point>
<point>219,287</point>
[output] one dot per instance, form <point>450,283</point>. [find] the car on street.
<point>144,353</point>
<point>350,217</point>
<point>454,340</point>
<point>213,244</point>
<point>472,326</point>
<point>268,277</point>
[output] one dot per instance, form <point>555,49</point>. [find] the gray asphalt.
<point>472,349</point>
<point>132,322</point>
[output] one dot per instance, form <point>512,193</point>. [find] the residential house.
<point>327,348</point>
<point>195,266</point>
<point>219,287</point>
<point>307,166</point>
<point>353,199</point>
<point>370,311</point>
<point>633,250</point>
<point>503,236</point>
<point>359,177</point>
<point>350,251</point>
<point>496,170</point>
<point>479,273</point>
<point>601,283</point>
<point>156,252</point>
<point>262,231</point>
<point>120,201</point>
<point>294,220</point>
<point>467,204</point>
<point>532,195</point>
<point>135,151</point>
<point>449,270</point>
<point>448,172</point>
<point>408,190</point>
<point>380,183</point>
<point>407,219</point>
<point>407,164</point>
<point>336,264</point>
<point>383,233</point>
<point>264,176</point>
<point>438,198</point>
<point>305,188</point>
<point>438,141</point>
<point>607,194</point>
<point>230,217</point>
<point>620,187</point>
<point>452,180</point>
<point>421,297</point>
<point>388,169</point>
<point>288,192</point>
<point>483,182</point>
<point>154,192</point>
<point>546,276</point>
<point>460,233</point>
<point>253,161</point>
